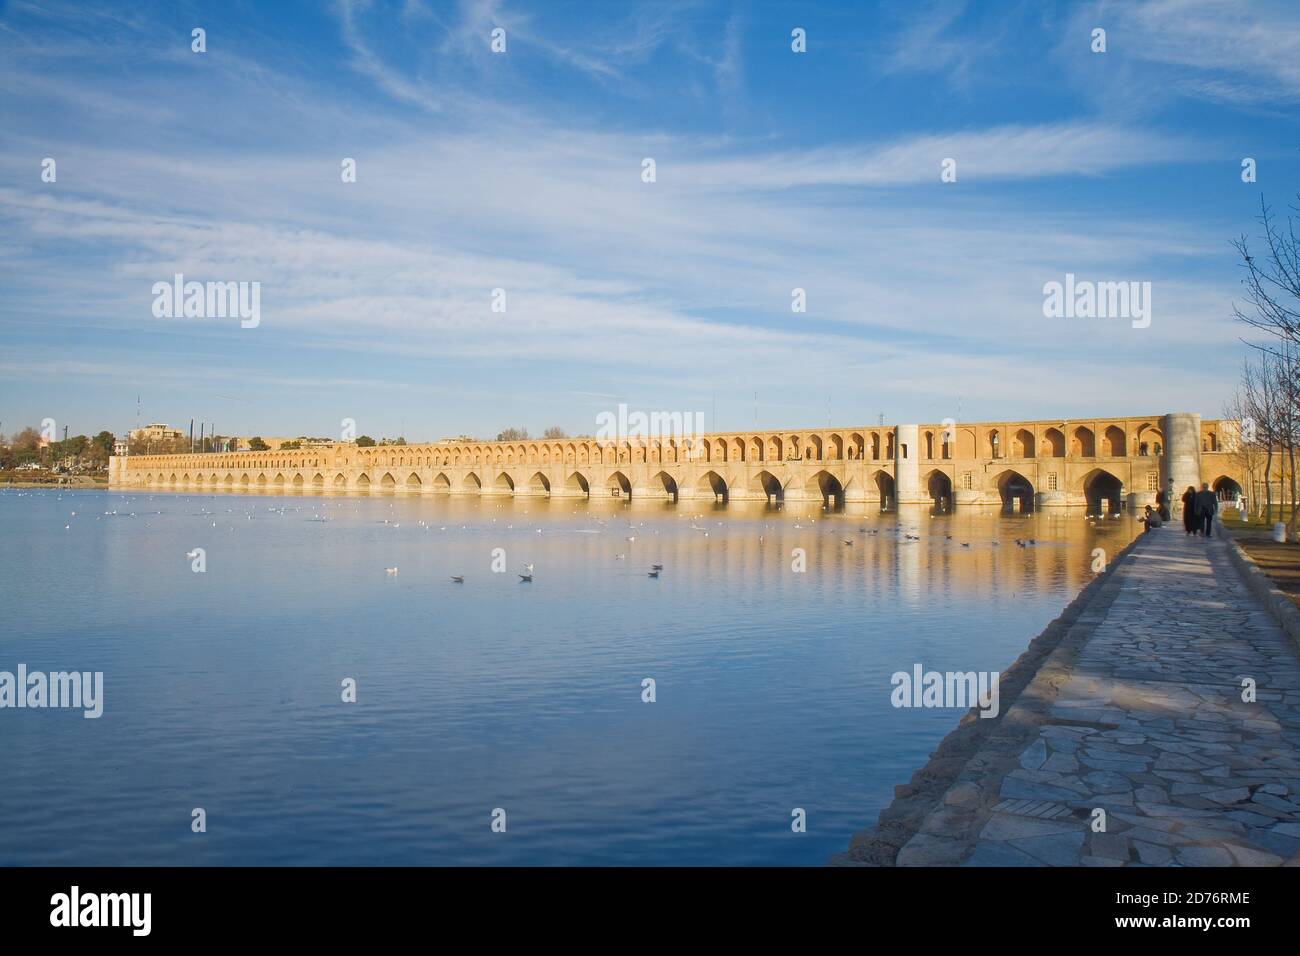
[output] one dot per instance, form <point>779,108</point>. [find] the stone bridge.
<point>1100,464</point>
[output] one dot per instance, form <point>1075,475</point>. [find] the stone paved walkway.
<point>1147,722</point>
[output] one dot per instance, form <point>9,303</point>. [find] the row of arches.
<point>966,442</point>
<point>1102,490</point>
<point>824,485</point>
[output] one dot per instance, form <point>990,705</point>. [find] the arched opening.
<point>413,482</point>
<point>713,484</point>
<point>388,482</point>
<point>669,485</point>
<point>1115,442</point>
<point>539,484</point>
<point>472,482</point>
<point>298,482</point>
<point>815,446</point>
<point>769,486</point>
<point>363,482</point>
<point>618,486</point>
<point>442,484</point>
<point>885,485</point>
<point>774,449</point>
<point>1016,492</point>
<point>1226,488</point>
<point>1104,493</point>
<point>244,480</point>
<point>340,482</point>
<point>1054,442</point>
<point>504,483</point>
<point>230,480</point>
<point>1023,444</point>
<point>1084,444</point>
<point>755,449</point>
<point>318,480</point>
<point>829,488</point>
<point>577,482</point>
<point>1149,439</point>
<point>939,486</point>
<point>835,447</point>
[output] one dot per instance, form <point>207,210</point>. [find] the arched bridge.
<point>1101,464</point>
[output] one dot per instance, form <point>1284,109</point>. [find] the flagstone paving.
<point>1147,723</point>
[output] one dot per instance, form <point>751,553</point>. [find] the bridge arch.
<point>441,483</point>
<point>711,483</point>
<point>885,486</point>
<point>1084,443</point>
<point>769,486</point>
<point>413,482</point>
<point>318,480</point>
<point>1015,489</point>
<point>1054,443</point>
<point>340,482</point>
<point>472,482</point>
<point>618,486</point>
<point>1022,444</point>
<point>539,484</point>
<point>1116,444</point>
<point>828,488</point>
<point>1103,492</point>
<point>1226,489</point>
<point>504,483</point>
<point>363,482</point>
<point>669,484</point>
<point>939,486</point>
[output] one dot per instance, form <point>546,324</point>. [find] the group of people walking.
<point>1199,509</point>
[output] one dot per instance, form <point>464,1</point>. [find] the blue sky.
<point>522,171</point>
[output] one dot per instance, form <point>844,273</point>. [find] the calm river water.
<point>222,689</point>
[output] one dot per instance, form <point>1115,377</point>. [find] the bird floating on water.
<point>525,577</point>
<point>458,578</point>
<point>653,574</point>
<point>657,567</point>
<point>392,570</point>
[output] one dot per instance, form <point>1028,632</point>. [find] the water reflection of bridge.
<point>1101,464</point>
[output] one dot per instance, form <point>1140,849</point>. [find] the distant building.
<point>156,432</point>
<point>120,446</point>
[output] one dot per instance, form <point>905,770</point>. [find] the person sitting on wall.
<point>1151,519</point>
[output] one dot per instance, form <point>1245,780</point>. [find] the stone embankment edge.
<point>948,800</point>
<point>1279,605</point>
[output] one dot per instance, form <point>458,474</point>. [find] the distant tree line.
<point>79,451</point>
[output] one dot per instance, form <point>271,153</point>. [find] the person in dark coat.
<point>1189,510</point>
<point>1162,506</point>
<point>1206,505</point>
